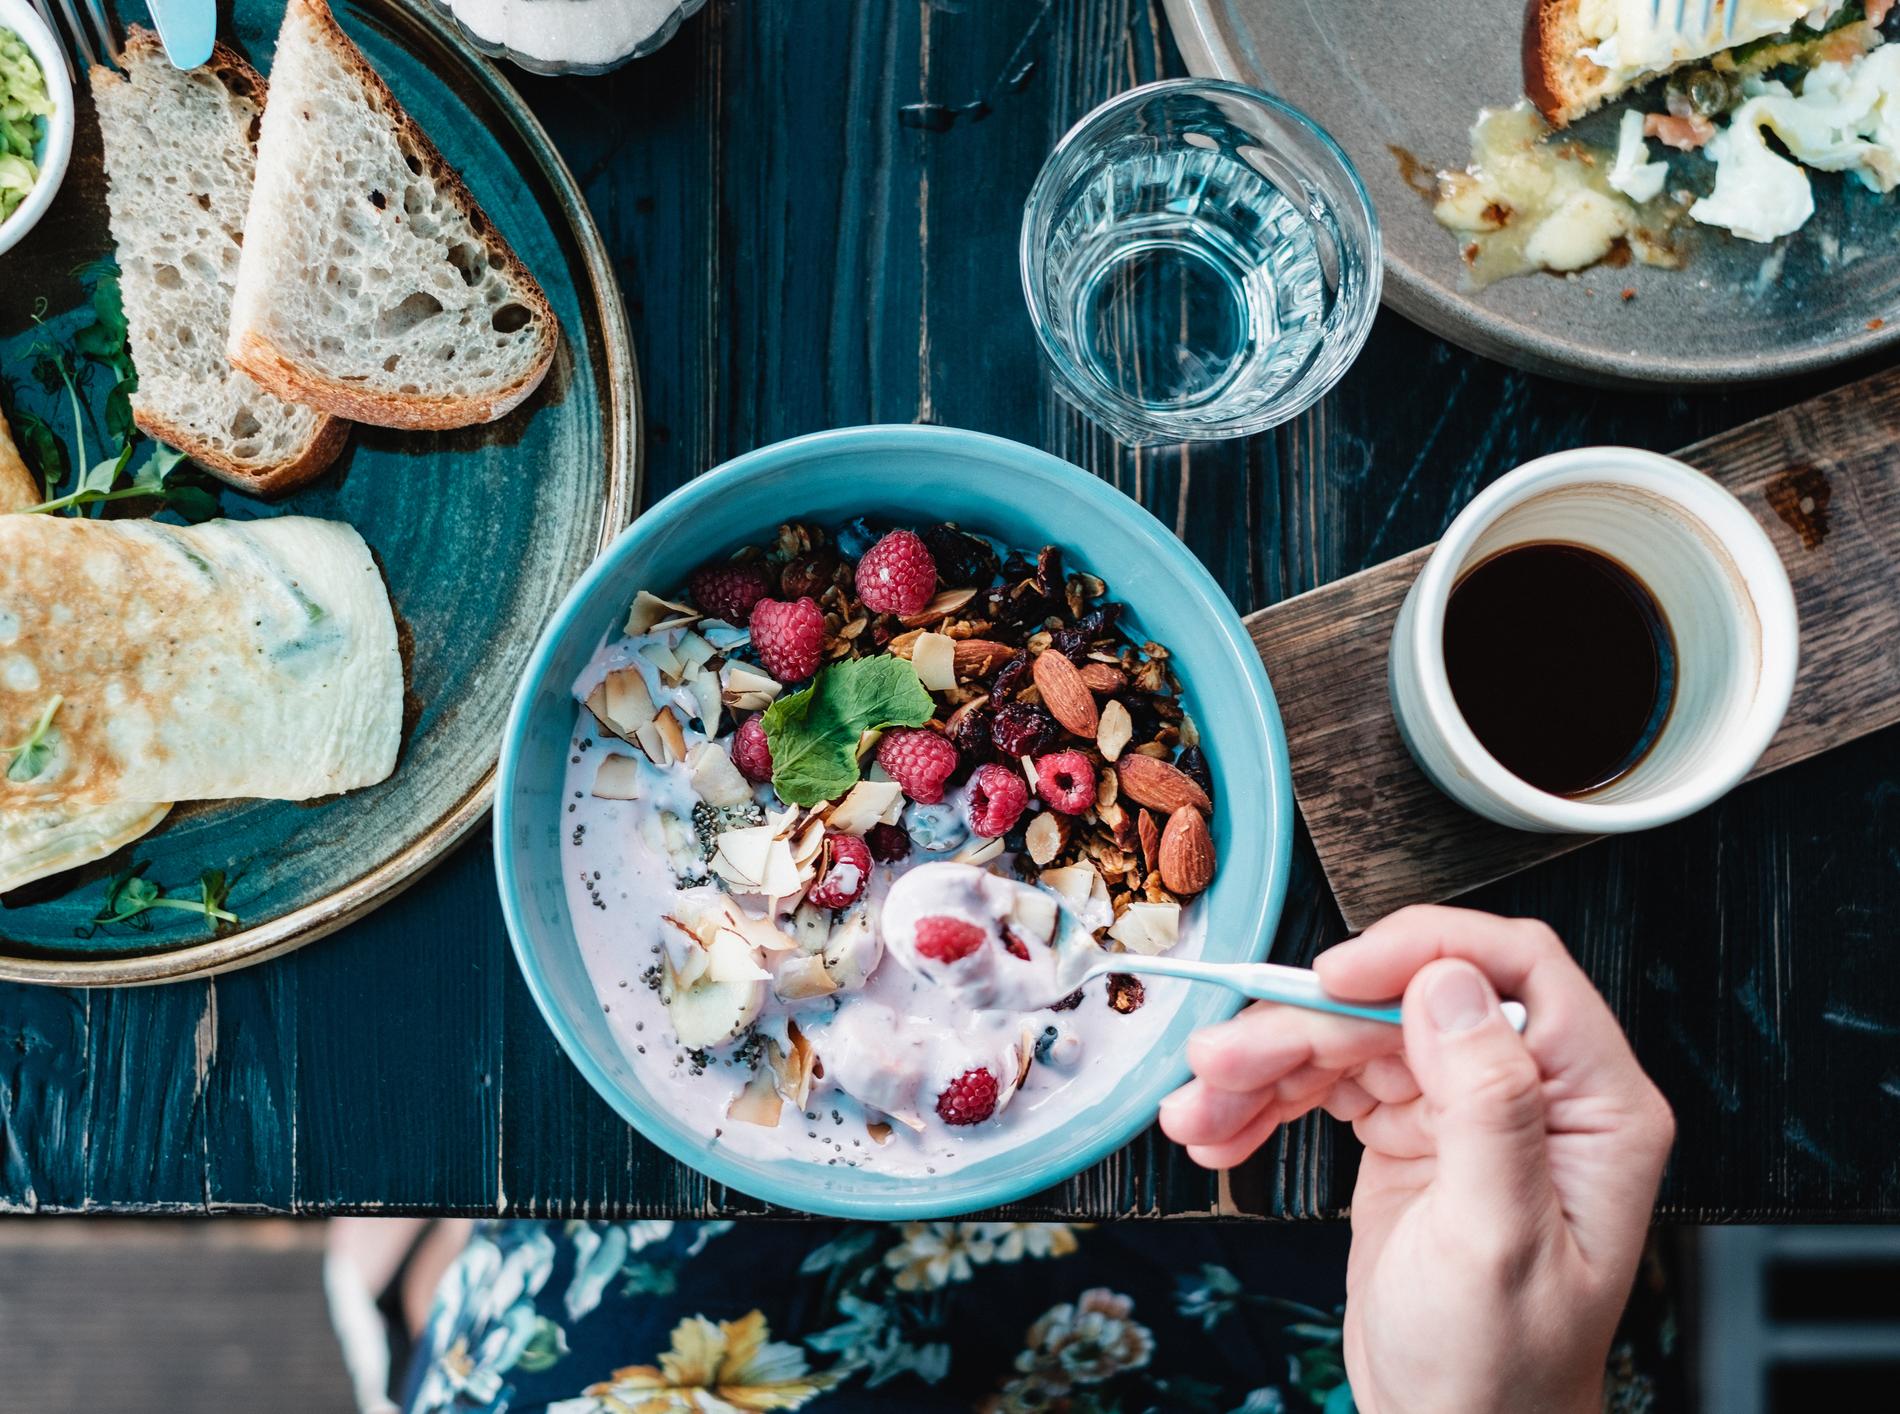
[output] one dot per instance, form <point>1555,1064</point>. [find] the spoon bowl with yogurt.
<point>999,944</point>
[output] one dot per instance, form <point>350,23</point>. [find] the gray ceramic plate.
<point>1388,78</point>
<point>479,533</point>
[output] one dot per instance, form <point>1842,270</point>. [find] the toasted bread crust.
<point>277,371</point>
<point>1540,77</point>
<point>270,481</point>
<point>327,439</point>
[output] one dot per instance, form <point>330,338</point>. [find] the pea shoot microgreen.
<point>64,372</point>
<point>29,758</point>
<point>131,898</point>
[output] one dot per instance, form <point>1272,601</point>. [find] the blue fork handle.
<point>187,28</point>
<point>1289,986</point>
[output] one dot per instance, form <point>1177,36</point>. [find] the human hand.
<point>1507,1181</point>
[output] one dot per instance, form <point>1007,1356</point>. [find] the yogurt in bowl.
<point>826,978</point>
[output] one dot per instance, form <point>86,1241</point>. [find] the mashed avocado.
<point>23,103</point>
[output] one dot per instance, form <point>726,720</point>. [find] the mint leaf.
<point>814,734</point>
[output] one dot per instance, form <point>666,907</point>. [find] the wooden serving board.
<point>1823,477</point>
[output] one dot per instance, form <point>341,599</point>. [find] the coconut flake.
<point>868,803</point>
<point>651,613</point>
<point>934,656</point>
<point>714,778</point>
<point>617,778</point>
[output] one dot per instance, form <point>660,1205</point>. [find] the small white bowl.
<point>56,144</point>
<point>1719,582</point>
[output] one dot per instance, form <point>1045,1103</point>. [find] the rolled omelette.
<point>231,659</point>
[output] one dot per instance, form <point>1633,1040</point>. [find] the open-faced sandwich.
<point>1751,100</point>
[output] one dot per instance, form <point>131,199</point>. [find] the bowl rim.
<point>1235,647</point>
<point>56,149</point>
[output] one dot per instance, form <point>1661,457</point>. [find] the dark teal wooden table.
<point>814,209</point>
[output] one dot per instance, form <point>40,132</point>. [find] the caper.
<point>1709,92</point>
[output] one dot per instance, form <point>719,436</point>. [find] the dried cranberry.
<point>889,843</point>
<point>1070,1002</point>
<point>1141,716</point>
<point>970,734</point>
<point>1010,679</point>
<point>1193,764</point>
<point>961,558</point>
<point>1125,993</point>
<point>1022,729</point>
<point>1049,579</point>
<point>808,574</point>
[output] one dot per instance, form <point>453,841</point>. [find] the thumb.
<point>1486,1099</point>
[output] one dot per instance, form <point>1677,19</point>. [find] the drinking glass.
<point>1200,260</point>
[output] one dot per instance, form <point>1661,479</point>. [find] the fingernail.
<point>1457,999</point>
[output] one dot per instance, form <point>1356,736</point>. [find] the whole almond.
<point>1187,852</point>
<point>1150,834</point>
<point>1103,677</point>
<point>1159,785</point>
<point>978,657</point>
<point>1065,694</point>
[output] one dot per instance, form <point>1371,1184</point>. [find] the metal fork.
<point>1705,16</point>
<point>91,40</point>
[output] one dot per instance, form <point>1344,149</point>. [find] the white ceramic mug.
<point>1711,569</point>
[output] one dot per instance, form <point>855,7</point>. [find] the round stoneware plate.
<point>479,533</point>
<point>914,475</point>
<point>1399,84</point>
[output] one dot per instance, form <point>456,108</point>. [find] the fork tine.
<point>58,33</point>
<point>102,27</point>
<point>1728,20</point>
<point>77,37</point>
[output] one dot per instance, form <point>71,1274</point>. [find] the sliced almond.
<point>934,656</point>
<point>1149,831</point>
<point>1103,677</point>
<point>944,604</point>
<point>1160,785</point>
<point>1065,694</point>
<point>1148,928</point>
<point>650,612</point>
<point>1187,852</point>
<point>617,778</point>
<point>977,657</point>
<point>1113,732</point>
<point>801,976</point>
<point>1045,837</point>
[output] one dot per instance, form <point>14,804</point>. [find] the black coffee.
<point>1562,664</point>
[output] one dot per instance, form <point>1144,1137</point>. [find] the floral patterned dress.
<point>1001,1318</point>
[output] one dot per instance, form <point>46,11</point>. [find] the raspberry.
<point>751,752</point>
<point>1067,781</point>
<point>728,591</point>
<point>789,637</point>
<point>843,881</point>
<point>919,760</point>
<point>1022,729</point>
<point>942,938</point>
<point>897,575</point>
<point>997,798</point>
<point>889,843</point>
<point>969,1099</point>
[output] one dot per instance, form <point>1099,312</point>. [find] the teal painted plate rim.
<point>423,27</point>
<point>917,1200</point>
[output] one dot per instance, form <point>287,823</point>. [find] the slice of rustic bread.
<point>1557,78</point>
<point>179,153</point>
<point>372,286</point>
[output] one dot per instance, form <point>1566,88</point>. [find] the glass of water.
<point>1200,260</point>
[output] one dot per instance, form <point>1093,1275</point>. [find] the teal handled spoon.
<point>1082,960</point>
<point>1265,982</point>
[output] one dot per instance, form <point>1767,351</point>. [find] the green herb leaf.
<point>814,734</point>
<point>131,898</point>
<point>29,758</point>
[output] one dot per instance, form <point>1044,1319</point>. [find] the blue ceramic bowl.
<point>912,475</point>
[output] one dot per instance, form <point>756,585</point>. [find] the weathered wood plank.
<point>1821,478</point>
<point>794,257</point>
